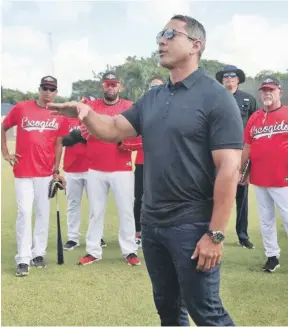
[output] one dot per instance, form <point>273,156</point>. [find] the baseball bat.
<point>60,253</point>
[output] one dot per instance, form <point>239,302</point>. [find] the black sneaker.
<point>271,264</point>
<point>103,243</point>
<point>39,262</point>
<point>246,244</point>
<point>22,270</point>
<point>70,245</point>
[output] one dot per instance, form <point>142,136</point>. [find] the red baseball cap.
<point>271,83</point>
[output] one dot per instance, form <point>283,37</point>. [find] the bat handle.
<point>57,202</point>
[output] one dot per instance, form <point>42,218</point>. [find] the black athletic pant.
<point>138,193</point>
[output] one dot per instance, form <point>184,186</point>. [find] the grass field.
<point>110,292</point>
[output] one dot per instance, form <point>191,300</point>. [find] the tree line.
<point>135,74</point>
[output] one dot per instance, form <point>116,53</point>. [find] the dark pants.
<point>167,253</point>
<point>242,212</point>
<point>138,193</point>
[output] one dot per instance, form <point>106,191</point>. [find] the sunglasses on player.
<point>226,75</point>
<point>51,89</point>
<point>110,84</point>
<point>169,34</point>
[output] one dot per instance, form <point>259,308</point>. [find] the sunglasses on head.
<point>46,88</point>
<point>226,75</point>
<point>169,34</point>
<point>112,84</point>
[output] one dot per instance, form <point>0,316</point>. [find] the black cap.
<point>48,81</point>
<point>111,76</point>
<point>271,83</point>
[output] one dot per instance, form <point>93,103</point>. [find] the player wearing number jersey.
<point>110,167</point>
<point>35,163</point>
<point>266,144</point>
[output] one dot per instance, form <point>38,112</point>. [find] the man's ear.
<point>101,87</point>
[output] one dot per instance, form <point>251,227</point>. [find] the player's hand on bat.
<point>208,253</point>
<point>71,109</point>
<point>61,179</point>
<point>12,158</point>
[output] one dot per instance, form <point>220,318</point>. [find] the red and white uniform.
<point>37,131</point>
<point>109,167</point>
<point>267,135</point>
<point>76,168</point>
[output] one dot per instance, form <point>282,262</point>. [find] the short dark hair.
<point>194,29</point>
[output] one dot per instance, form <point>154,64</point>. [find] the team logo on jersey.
<point>129,164</point>
<point>39,125</point>
<point>286,179</point>
<point>269,130</point>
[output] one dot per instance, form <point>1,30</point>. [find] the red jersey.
<point>139,157</point>
<point>104,156</point>
<point>267,134</point>
<point>75,157</point>
<point>37,131</point>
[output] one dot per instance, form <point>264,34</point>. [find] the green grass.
<point>110,292</point>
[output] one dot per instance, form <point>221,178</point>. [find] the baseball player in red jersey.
<point>110,167</point>
<point>76,171</point>
<point>35,163</point>
<point>139,161</point>
<point>266,144</point>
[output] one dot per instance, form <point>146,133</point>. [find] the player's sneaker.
<point>133,260</point>
<point>22,270</point>
<point>103,243</point>
<point>87,260</point>
<point>246,244</point>
<point>39,262</point>
<point>70,245</point>
<point>271,264</point>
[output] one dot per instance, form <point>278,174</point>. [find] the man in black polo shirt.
<point>192,137</point>
<point>231,77</point>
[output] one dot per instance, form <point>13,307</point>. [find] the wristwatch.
<point>57,172</point>
<point>216,236</point>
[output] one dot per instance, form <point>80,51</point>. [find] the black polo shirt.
<point>247,105</point>
<point>181,124</point>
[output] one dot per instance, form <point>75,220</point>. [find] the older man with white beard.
<point>266,145</point>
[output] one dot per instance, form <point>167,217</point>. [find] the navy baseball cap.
<point>48,81</point>
<point>271,83</point>
<point>111,77</point>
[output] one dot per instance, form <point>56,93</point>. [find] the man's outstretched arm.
<point>110,129</point>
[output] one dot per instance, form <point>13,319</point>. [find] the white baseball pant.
<point>76,183</point>
<point>29,190</point>
<point>122,186</point>
<point>267,197</point>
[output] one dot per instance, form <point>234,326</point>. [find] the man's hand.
<point>71,109</point>
<point>12,158</point>
<point>61,179</point>
<point>209,254</point>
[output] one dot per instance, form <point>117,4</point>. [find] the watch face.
<point>218,237</point>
